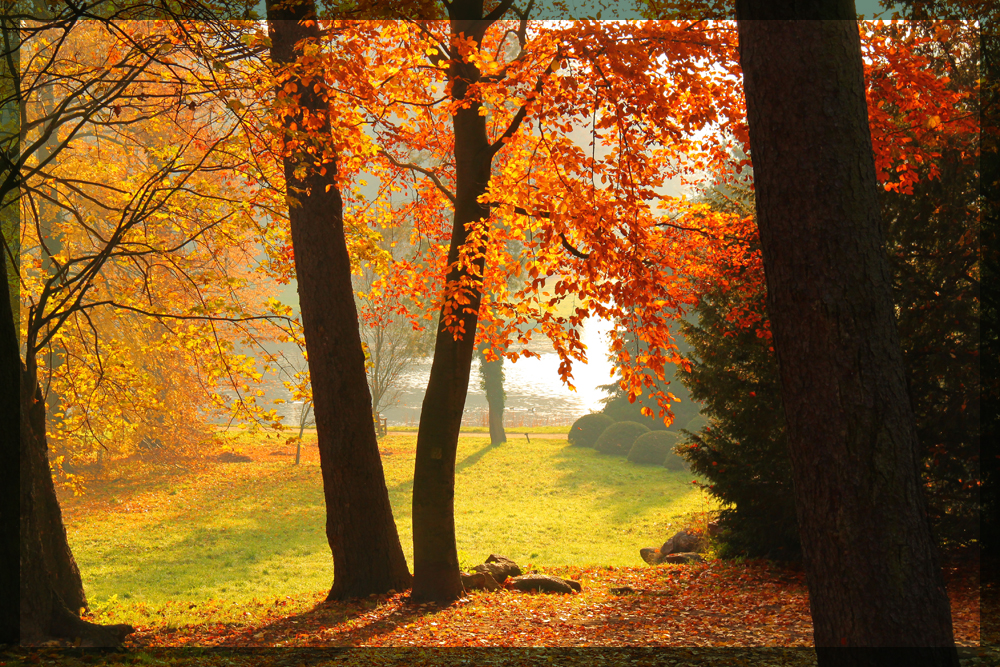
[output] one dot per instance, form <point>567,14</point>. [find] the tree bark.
<point>871,565</point>
<point>367,556</point>
<point>10,428</point>
<point>435,555</point>
<point>51,591</point>
<point>492,372</point>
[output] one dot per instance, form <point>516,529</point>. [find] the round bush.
<point>588,428</point>
<point>617,439</point>
<point>674,461</point>
<point>653,447</point>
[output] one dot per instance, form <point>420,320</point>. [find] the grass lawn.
<point>199,553</point>
<point>187,540</point>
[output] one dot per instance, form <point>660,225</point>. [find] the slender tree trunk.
<point>435,555</point>
<point>367,556</point>
<point>492,372</point>
<point>871,566</point>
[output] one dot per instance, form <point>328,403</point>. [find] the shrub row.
<point>626,438</point>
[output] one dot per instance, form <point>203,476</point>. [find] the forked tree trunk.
<point>367,556</point>
<point>871,565</point>
<point>435,555</point>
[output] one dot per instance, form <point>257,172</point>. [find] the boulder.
<point>714,529</point>
<point>683,541</point>
<point>230,457</point>
<point>498,567</point>
<point>650,555</point>
<point>683,557</point>
<point>480,581</point>
<point>544,583</point>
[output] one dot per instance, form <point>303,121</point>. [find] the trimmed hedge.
<point>618,438</point>
<point>588,428</point>
<point>653,447</point>
<point>674,461</point>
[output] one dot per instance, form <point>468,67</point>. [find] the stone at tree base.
<point>683,557</point>
<point>650,555</point>
<point>683,541</point>
<point>479,581</point>
<point>230,457</point>
<point>544,583</point>
<point>499,567</point>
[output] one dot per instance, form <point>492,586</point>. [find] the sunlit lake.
<point>535,394</point>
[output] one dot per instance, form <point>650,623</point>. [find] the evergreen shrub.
<point>587,429</point>
<point>618,438</point>
<point>653,447</point>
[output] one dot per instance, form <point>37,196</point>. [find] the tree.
<point>94,90</point>
<point>391,331</point>
<point>933,251</point>
<point>534,188</point>
<point>874,579</point>
<point>367,555</point>
<point>491,379</point>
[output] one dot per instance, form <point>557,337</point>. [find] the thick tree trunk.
<point>51,592</point>
<point>367,556</point>
<point>871,566</point>
<point>435,555</point>
<point>10,429</point>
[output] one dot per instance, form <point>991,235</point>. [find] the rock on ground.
<point>544,583</point>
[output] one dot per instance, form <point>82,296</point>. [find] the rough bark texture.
<point>871,566</point>
<point>10,428</point>
<point>436,576</point>
<point>51,592</point>
<point>367,556</point>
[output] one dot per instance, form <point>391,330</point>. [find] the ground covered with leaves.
<point>207,589</point>
<point>711,604</point>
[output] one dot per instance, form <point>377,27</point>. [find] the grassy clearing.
<point>230,541</point>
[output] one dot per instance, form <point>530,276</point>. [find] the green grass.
<point>231,539</point>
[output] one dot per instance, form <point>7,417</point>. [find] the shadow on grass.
<point>473,459</point>
<point>618,486</point>
<point>178,557</point>
<point>406,487</point>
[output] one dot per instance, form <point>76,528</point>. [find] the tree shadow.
<point>470,460</point>
<point>473,459</point>
<point>333,624</point>
<point>624,488</point>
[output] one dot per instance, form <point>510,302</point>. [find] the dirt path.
<point>511,434</point>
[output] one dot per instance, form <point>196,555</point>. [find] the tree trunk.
<point>492,372</point>
<point>367,556</point>
<point>51,591</point>
<point>435,555</point>
<point>9,465</point>
<point>871,566</point>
